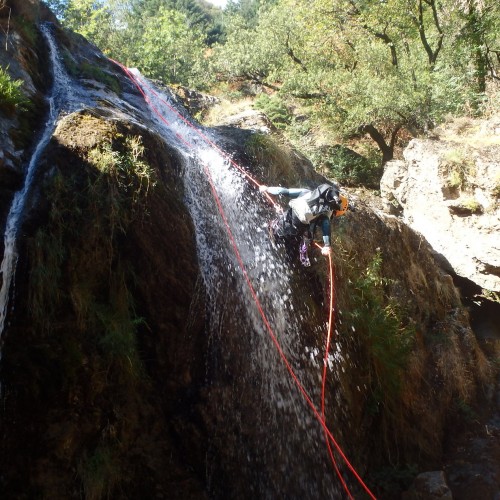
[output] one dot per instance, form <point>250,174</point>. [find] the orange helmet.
<point>344,203</point>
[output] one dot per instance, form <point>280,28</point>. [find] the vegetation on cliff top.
<point>339,72</point>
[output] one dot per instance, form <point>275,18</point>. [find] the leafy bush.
<point>275,110</point>
<point>472,205</point>
<point>388,339</point>
<point>458,167</point>
<point>348,167</point>
<point>11,96</point>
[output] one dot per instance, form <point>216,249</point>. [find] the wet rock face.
<point>429,486</point>
<point>448,190</point>
<point>93,404</point>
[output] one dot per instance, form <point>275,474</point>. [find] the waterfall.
<point>290,460</point>
<point>57,99</point>
<point>276,446</point>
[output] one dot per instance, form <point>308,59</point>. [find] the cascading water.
<point>286,458</point>
<point>265,436</point>
<point>57,96</point>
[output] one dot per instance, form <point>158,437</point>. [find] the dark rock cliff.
<point>122,378</point>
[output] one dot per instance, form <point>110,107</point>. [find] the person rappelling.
<point>308,209</point>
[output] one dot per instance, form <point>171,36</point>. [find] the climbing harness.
<point>304,258</point>
<point>320,417</point>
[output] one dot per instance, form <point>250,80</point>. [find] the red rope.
<point>325,366</point>
<point>269,328</point>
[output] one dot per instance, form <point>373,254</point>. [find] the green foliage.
<point>459,167</point>
<point>199,15</point>
<point>27,29</point>
<point>119,343</point>
<point>386,336</point>
<point>90,18</point>
<point>165,40</point>
<point>11,95</point>
<point>274,108</point>
<point>382,65</point>
<point>171,50</point>
<point>248,10</point>
<point>370,69</point>
<point>124,180</point>
<point>348,168</point>
<point>91,71</point>
<point>266,151</point>
<point>58,7</point>
<point>472,205</point>
<point>100,473</point>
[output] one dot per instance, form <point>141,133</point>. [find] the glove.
<point>262,189</point>
<point>325,250</point>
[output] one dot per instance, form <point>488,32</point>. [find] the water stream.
<point>290,458</point>
<point>56,98</point>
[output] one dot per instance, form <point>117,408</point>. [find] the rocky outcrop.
<point>448,189</point>
<point>196,102</point>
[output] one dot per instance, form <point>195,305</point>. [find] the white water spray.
<point>281,409</point>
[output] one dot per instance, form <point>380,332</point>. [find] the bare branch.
<point>291,53</point>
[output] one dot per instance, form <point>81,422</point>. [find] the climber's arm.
<point>325,229</point>
<point>277,190</point>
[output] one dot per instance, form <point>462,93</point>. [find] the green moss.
<point>374,319</point>
<point>349,168</point>
<point>265,151</point>
<point>93,72</point>
<point>27,29</point>
<point>458,167</point>
<point>75,264</point>
<point>387,337</point>
<point>69,63</point>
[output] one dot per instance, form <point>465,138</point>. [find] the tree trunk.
<point>476,34</point>
<point>386,149</point>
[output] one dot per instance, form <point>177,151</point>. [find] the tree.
<point>89,18</point>
<point>248,10</point>
<point>200,15</point>
<point>58,7</point>
<point>170,49</point>
<point>365,66</point>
